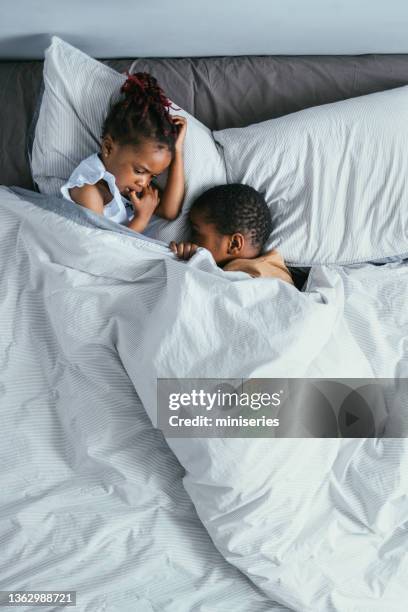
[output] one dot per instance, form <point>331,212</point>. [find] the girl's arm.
<point>88,196</point>
<point>172,197</point>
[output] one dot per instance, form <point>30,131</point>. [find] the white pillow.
<point>335,177</point>
<point>78,92</point>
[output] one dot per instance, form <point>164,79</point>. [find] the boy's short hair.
<point>237,208</point>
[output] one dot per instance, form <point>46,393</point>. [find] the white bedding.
<point>334,177</point>
<point>91,496</point>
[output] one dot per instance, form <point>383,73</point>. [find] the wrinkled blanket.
<point>91,316</point>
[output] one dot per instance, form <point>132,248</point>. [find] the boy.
<point>233,222</point>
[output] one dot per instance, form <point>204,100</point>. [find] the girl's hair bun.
<point>143,112</point>
<point>142,89</point>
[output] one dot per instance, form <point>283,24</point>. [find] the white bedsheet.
<point>91,497</point>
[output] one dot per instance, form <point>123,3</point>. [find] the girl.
<point>140,139</point>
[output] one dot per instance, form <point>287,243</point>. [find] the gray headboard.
<point>220,91</point>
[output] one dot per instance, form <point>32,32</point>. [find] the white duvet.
<point>91,497</point>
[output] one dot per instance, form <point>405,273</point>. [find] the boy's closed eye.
<point>194,231</point>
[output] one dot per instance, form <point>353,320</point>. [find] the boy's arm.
<point>173,194</point>
<point>89,197</point>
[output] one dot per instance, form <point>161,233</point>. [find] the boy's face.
<point>206,235</point>
<point>222,247</point>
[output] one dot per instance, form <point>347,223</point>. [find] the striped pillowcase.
<point>335,178</point>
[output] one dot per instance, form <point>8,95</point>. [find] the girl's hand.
<point>184,250</point>
<point>181,123</point>
<point>145,205</point>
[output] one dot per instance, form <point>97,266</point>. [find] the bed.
<point>93,498</point>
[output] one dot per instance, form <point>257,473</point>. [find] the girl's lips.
<point>128,190</point>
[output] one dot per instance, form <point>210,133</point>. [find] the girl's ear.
<point>236,244</point>
<point>107,146</point>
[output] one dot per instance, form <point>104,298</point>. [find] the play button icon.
<point>355,417</point>
<point>351,418</point>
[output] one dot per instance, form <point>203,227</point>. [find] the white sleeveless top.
<point>90,171</point>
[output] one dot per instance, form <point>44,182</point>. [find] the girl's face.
<point>134,166</point>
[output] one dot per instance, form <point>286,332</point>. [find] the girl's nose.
<point>143,182</point>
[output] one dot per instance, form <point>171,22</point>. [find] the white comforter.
<point>91,498</point>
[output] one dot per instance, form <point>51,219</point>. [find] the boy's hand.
<point>181,123</point>
<point>184,250</point>
<point>145,205</point>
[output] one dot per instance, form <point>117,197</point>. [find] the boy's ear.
<point>236,244</point>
